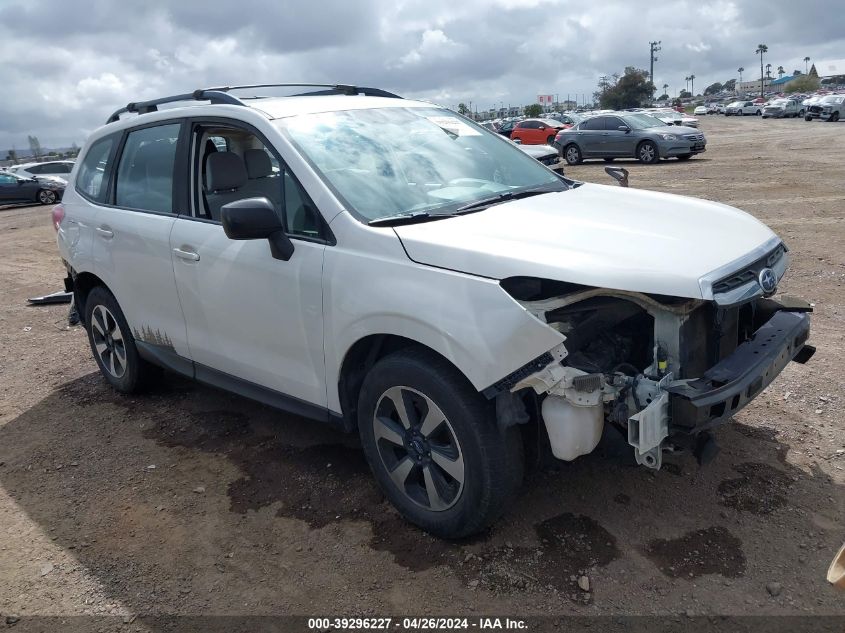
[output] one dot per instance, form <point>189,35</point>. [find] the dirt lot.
<point>192,501</point>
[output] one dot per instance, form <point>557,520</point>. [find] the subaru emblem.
<point>768,282</point>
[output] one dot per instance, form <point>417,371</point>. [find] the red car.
<point>537,131</point>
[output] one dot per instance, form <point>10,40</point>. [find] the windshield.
<point>642,121</point>
<point>385,162</point>
<point>834,99</point>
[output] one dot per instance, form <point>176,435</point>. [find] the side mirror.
<point>518,141</point>
<point>542,127</point>
<point>624,128</point>
<point>256,219</point>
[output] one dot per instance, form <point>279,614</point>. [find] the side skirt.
<point>172,361</point>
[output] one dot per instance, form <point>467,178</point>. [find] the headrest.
<point>225,170</point>
<point>156,159</point>
<point>257,163</point>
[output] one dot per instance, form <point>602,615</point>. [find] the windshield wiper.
<point>505,196</point>
<point>407,218</point>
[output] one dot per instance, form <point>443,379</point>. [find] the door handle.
<point>191,256</point>
<point>105,232</point>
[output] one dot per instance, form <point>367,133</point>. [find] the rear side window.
<point>35,169</point>
<point>596,123</point>
<point>145,170</point>
<point>92,178</point>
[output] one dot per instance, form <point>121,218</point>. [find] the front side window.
<point>384,162</point>
<point>7,180</point>
<point>145,170</point>
<point>596,123</point>
<point>91,178</point>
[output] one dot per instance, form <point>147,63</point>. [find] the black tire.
<point>47,196</point>
<point>808,118</point>
<point>572,154</point>
<point>800,112</point>
<point>758,113</point>
<point>610,159</point>
<point>834,117</point>
<point>765,117</point>
<point>550,139</point>
<point>137,374</point>
<point>684,156</point>
<point>492,458</point>
<point>648,153</point>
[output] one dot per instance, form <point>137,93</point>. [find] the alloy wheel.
<point>418,448</point>
<point>45,196</point>
<point>646,153</point>
<point>108,341</point>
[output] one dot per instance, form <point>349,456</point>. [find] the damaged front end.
<point>660,369</point>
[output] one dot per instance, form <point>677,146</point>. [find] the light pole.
<point>761,48</point>
<point>654,46</point>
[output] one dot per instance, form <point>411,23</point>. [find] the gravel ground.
<point>193,501</point>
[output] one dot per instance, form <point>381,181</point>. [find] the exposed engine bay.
<point>661,369</point>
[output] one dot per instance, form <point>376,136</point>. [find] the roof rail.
<point>330,89</point>
<point>220,95</point>
<point>143,107</point>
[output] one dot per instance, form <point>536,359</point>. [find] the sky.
<point>67,64</point>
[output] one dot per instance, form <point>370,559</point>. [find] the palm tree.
<point>739,70</point>
<point>768,71</point>
<point>781,72</point>
<point>761,48</point>
<point>692,84</point>
<point>686,84</point>
<point>806,68</point>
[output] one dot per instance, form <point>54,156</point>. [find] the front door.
<point>617,142</point>
<point>250,316</point>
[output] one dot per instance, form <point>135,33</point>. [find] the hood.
<point>538,151</point>
<point>594,235</point>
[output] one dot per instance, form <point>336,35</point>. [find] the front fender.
<point>469,320</point>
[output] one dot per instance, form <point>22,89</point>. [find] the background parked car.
<point>546,154</point>
<point>16,189</point>
<point>700,110</point>
<point>506,127</point>
<point>57,168</point>
<point>537,131</point>
<point>782,108</point>
<point>628,135</point>
<point>741,108</point>
<point>828,108</point>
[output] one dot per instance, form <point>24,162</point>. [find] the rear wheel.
<point>45,196</point>
<point>572,154</point>
<point>434,446</point>
<point>647,152</point>
<point>112,344</point>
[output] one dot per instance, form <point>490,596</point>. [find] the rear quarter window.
<point>93,172</point>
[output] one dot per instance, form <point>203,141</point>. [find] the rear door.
<point>131,242</point>
<point>590,136</point>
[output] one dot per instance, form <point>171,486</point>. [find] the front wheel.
<point>808,118</point>
<point>550,140</point>
<point>572,154</point>
<point>46,196</point>
<point>113,345</point>
<point>834,117</point>
<point>434,446</point>
<point>758,113</point>
<point>647,152</point>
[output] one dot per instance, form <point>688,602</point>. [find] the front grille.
<point>815,108</point>
<point>694,137</point>
<point>549,160</point>
<point>750,273</point>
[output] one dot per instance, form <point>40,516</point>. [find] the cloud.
<point>68,65</point>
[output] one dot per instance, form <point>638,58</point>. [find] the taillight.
<point>58,215</point>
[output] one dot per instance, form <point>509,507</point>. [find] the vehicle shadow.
<point>152,495</point>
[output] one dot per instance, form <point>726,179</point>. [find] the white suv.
<point>387,265</point>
